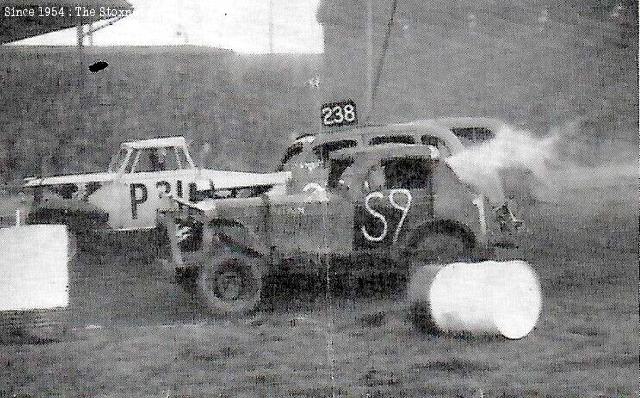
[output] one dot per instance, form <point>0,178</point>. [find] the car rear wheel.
<point>230,284</point>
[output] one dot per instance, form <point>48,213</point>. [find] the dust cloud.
<point>551,175</point>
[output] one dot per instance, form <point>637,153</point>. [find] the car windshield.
<point>323,151</point>
<point>338,167</point>
<point>117,160</point>
<point>293,150</point>
<point>157,159</point>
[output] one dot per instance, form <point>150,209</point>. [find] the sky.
<point>240,25</point>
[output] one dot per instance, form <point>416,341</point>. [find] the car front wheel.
<point>230,284</point>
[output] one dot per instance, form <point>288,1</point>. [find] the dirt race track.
<point>135,333</point>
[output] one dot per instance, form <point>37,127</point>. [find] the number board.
<point>339,114</point>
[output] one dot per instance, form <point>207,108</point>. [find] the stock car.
<point>381,209</point>
<point>307,157</point>
<point>127,196</point>
<point>450,135</point>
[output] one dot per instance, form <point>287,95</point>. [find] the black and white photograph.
<point>319,198</point>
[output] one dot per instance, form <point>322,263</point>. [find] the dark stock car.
<point>381,209</point>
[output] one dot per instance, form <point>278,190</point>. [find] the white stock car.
<point>127,196</point>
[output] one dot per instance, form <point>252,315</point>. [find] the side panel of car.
<point>288,226</point>
<point>144,192</point>
<point>244,223</point>
<point>382,217</point>
<point>310,223</point>
<point>456,202</point>
<point>113,197</point>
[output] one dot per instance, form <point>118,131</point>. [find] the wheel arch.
<point>74,213</point>
<point>409,244</point>
<point>238,236</point>
<point>447,226</point>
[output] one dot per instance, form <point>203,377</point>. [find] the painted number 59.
<point>385,226</point>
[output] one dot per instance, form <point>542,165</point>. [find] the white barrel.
<point>34,267</point>
<point>491,297</point>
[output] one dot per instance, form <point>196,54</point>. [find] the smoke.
<point>484,166</point>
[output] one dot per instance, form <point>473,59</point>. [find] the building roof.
<point>21,27</point>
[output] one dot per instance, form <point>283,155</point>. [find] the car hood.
<point>220,179</point>
<point>69,179</point>
<point>237,179</point>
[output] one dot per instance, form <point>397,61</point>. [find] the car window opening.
<point>325,149</point>
<point>407,173</point>
<point>436,142</point>
<point>473,134</point>
<point>337,171</point>
<point>293,150</point>
<point>117,160</point>
<point>392,139</point>
<point>157,159</point>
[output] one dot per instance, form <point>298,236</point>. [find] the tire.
<point>230,284</point>
<point>438,247</point>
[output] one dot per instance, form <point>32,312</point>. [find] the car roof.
<point>468,122</point>
<point>363,134</point>
<point>156,143</point>
<point>390,150</point>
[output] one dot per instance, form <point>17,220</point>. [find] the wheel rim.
<point>228,285</point>
<point>232,283</point>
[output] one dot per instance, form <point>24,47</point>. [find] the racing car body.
<point>450,135</point>
<point>308,154</point>
<point>383,208</point>
<point>127,195</point>
<point>311,148</point>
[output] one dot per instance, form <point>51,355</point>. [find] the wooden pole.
<point>270,26</point>
<point>369,25</point>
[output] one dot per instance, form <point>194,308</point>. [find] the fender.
<point>238,236</point>
<point>218,235</point>
<point>412,238</point>
<point>223,223</point>
<point>77,214</point>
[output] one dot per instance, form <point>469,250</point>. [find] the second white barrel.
<point>491,297</point>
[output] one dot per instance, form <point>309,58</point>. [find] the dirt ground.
<point>135,333</point>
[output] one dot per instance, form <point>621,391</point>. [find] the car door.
<point>394,190</point>
<point>145,185</point>
<point>313,221</point>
